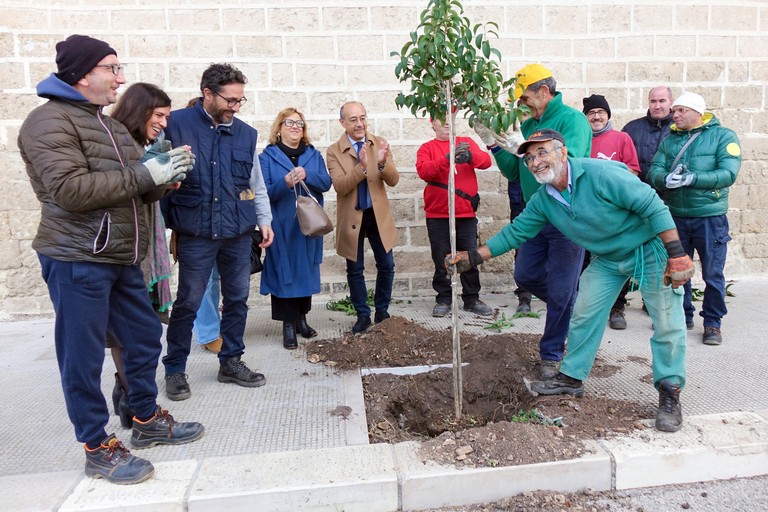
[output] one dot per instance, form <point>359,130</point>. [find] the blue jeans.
<point>709,237</point>
<point>440,244</point>
<point>206,326</point>
<point>385,269</point>
<point>87,297</point>
<point>548,265</point>
<point>197,257</point>
<point>600,283</point>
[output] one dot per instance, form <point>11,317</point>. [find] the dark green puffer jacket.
<point>714,157</point>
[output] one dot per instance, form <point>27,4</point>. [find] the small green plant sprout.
<point>534,416</point>
<point>529,314</point>
<point>499,325</point>
<point>525,416</point>
<point>345,305</point>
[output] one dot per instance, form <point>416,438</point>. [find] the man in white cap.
<point>694,168</point>
<point>630,232</point>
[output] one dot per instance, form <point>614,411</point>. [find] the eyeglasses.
<point>598,112</point>
<point>680,110</point>
<point>291,122</point>
<point>540,155</point>
<point>116,68</point>
<point>231,102</point>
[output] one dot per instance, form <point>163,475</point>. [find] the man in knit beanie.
<point>78,55</point>
<point>85,170</point>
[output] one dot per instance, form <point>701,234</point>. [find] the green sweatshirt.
<point>571,124</point>
<point>611,212</point>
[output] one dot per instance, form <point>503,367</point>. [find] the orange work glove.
<point>679,271</point>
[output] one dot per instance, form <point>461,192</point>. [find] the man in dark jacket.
<point>214,214</point>
<point>647,132</point>
<point>694,169</point>
<point>84,170</point>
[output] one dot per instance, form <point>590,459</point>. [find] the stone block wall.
<point>315,55</point>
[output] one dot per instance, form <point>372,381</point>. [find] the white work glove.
<point>171,167</point>
<point>485,134</point>
<point>510,141</point>
<point>680,177</point>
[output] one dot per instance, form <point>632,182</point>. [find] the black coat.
<point>647,134</point>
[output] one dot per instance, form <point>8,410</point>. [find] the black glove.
<point>463,154</point>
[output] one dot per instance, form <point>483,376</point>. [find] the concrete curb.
<point>386,478</point>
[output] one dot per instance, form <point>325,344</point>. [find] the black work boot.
<point>163,429</point>
<point>616,320</point>
<point>113,462</point>
<point>289,336</point>
<point>549,369</point>
<point>523,305</point>
<point>560,384</point>
<point>232,369</point>
<point>669,416</point>
<point>176,387</point>
<point>303,328</point>
<point>362,324</point>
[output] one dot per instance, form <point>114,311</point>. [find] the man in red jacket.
<point>433,166</point>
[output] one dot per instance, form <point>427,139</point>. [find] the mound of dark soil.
<point>501,422</point>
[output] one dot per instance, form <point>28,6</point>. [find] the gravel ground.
<point>737,495</point>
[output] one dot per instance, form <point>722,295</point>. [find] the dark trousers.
<point>549,265</point>
<point>440,243</point>
<point>196,259</point>
<point>88,297</point>
<point>709,237</point>
<point>516,207</point>
<point>385,269</point>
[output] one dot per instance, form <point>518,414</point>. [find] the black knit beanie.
<point>596,101</point>
<point>77,55</point>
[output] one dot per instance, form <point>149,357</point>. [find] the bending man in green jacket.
<point>630,232</point>
<point>694,168</point>
<point>548,265</point>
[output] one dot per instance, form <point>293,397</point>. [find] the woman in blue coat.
<point>292,265</point>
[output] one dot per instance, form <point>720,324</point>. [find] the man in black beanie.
<point>85,171</point>
<point>78,55</point>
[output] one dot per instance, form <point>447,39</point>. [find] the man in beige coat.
<point>360,164</point>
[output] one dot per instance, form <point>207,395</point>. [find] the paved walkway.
<point>292,413</point>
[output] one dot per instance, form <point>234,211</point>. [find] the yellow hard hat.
<point>528,75</point>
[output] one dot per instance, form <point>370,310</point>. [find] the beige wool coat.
<point>341,159</point>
